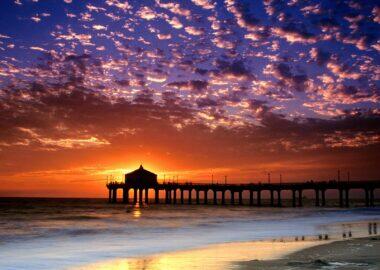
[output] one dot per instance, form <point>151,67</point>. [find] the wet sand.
<point>323,251</point>
<point>361,253</point>
<point>212,257</point>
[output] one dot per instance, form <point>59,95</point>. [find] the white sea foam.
<point>66,234</point>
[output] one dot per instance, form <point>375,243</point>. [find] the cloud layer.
<point>190,85</point>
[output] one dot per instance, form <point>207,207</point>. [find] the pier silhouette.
<point>141,181</point>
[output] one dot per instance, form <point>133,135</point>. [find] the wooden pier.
<point>141,181</point>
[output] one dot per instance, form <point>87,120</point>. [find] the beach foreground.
<point>90,234</point>
<point>361,253</point>
<point>211,257</point>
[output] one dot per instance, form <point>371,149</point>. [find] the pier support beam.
<point>240,197</point>
<point>175,196</point>
<point>251,197</point>
<point>114,195</point>
<point>300,198</point>
<point>232,197</point>
<point>347,198</point>
<point>125,195</point>
<point>205,196</point>
<point>157,196</point>
<point>323,193</point>
<point>169,196</point>
<point>294,198</point>
<point>182,200</point>
<point>279,201</point>
<point>146,196</point>
<point>271,198</point>
<point>371,198</point>
<point>215,197</point>
<point>189,201</point>
<point>316,197</point>
<point>140,196</point>
<point>366,197</point>
<point>259,198</point>
<point>340,197</point>
<point>134,195</point>
<point>223,197</point>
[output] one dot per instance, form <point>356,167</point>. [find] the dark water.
<point>61,233</point>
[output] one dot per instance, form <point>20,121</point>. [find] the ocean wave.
<point>78,217</point>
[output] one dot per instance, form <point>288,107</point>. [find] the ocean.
<point>68,233</point>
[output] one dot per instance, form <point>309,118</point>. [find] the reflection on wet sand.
<point>222,256</point>
<point>213,257</point>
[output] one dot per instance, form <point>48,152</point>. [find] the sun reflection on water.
<point>214,257</point>
<point>136,211</point>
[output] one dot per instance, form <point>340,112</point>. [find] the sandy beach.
<point>87,234</point>
<point>211,257</point>
<point>362,253</point>
<point>349,254</point>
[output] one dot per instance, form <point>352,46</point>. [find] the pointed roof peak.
<point>140,170</point>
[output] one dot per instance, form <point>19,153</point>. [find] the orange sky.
<point>191,89</point>
<point>83,172</point>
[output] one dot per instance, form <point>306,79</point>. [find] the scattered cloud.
<point>175,77</point>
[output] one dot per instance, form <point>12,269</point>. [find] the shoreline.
<point>348,254</point>
<point>76,235</point>
<point>211,257</point>
<point>281,253</point>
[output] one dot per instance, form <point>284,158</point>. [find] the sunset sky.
<point>190,88</point>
